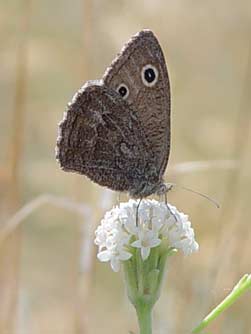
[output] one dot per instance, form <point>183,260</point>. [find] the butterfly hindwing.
<point>101,137</point>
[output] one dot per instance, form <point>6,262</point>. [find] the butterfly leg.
<point>171,213</point>
<point>165,195</point>
<point>137,212</point>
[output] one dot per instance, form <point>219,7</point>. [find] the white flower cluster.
<point>156,221</point>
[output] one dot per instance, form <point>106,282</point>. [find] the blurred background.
<point>50,280</point>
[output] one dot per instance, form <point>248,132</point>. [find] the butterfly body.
<point>116,130</point>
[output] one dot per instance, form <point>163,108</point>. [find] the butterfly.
<point>116,130</point>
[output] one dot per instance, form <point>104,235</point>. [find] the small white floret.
<point>147,239</point>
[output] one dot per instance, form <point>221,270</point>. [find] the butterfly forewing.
<point>140,57</point>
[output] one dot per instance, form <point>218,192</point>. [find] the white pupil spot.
<point>149,75</point>
<point>123,91</point>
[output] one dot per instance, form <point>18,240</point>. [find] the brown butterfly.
<point>116,130</point>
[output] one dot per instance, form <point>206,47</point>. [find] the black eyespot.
<point>149,75</point>
<point>123,91</point>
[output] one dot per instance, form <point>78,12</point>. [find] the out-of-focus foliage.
<point>207,45</point>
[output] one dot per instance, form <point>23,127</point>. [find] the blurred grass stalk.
<point>86,249</point>
<point>13,225</point>
<point>10,249</point>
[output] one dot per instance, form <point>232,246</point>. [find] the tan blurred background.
<point>50,281</point>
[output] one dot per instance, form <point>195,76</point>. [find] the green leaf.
<point>242,286</point>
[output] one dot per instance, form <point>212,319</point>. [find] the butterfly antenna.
<point>170,185</point>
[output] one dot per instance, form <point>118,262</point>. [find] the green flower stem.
<point>130,279</point>
<point>243,285</point>
<point>140,273</point>
<point>144,314</point>
<point>143,282</point>
<point>162,264</point>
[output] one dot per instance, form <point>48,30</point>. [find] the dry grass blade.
<point>12,224</point>
<point>199,166</point>
<point>10,251</point>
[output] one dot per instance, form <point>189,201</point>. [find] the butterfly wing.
<point>101,137</point>
<point>140,75</point>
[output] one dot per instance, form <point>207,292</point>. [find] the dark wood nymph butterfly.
<point>116,130</point>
